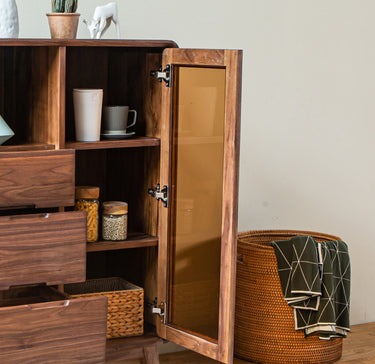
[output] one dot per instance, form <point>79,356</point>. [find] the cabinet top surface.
<point>136,43</point>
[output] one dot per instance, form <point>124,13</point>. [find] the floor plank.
<point>358,348</point>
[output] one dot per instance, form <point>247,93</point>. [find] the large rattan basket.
<point>125,303</point>
<point>264,323</point>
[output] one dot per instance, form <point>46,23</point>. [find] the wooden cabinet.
<point>178,174</point>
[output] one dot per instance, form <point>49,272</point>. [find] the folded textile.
<point>315,280</point>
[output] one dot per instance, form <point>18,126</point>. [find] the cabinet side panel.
<point>152,99</point>
<point>233,61</point>
<point>150,283</point>
<point>47,86</point>
<point>56,96</point>
<point>151,178</point>
<point>2,83</point>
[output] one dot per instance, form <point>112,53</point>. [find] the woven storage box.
<point>125,303</point>
<point>264,323</point>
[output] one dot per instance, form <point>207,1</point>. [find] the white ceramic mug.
<point>116,119</point>
<point>87,113</point>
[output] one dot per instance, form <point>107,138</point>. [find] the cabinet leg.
<point>150,355</point>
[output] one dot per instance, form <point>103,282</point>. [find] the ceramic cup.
<point>116,119</point>
<point>87,113</point>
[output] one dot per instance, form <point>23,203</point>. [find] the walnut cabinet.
<point>178,173</point>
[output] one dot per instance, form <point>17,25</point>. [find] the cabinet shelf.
<point>109,144</point>
<point>135,240</point>
<point>26,147</point>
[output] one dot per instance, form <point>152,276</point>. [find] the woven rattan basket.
<point>125,303</point>
<point>264,323</point>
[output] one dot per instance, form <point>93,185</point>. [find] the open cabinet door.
<point>198,227</point>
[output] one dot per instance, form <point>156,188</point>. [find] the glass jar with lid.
<point>115,220</point>
<point>87,199</point>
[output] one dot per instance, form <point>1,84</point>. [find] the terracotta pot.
<point>63,25</point>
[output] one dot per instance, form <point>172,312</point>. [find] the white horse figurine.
<point>8,19</point>
<point>103,16</point>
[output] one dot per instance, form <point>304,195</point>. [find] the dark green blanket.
<point>315,279</point>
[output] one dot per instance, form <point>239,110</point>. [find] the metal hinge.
<point>160,194</point>
<point>159,309</point>
<point>163,75</point>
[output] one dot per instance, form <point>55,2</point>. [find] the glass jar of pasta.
<point>115,220</point>
<point>87,199</point>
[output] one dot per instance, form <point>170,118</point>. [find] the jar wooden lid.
<point>88,192</point>
<point>115,207</point>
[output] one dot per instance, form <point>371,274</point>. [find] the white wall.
<point>307,151</point>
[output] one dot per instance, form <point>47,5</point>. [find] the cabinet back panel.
<point>120,174</point>
<point>2,79</point>
<point>85,68</point>
<point>28,93</point>
<point>129,264</point>
<point>139,266</point>
<point>124,76</point>
<point>125,174</point>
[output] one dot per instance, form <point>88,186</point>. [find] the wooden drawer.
<point>42,248</point>
<point>40,325</point>
<point>37,178</point>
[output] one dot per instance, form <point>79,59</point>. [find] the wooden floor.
<point>359,348</point>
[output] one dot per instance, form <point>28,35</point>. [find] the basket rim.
<point>287,233</point>
<point>132,287</point>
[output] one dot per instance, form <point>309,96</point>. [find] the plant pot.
<point>63,25</point>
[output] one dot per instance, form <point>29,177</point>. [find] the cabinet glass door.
<point>199,162</point>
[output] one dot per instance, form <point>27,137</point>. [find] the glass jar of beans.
<point>87,199</point>
<point>115,220</point>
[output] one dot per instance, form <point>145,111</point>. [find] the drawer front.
<point>38,178</point>
<point>42,248</point>
<point>68,331</point>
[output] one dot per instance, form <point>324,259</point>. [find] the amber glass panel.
<point>196,199</point>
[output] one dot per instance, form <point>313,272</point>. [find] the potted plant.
<point>63,20</point>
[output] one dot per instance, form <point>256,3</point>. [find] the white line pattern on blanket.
<point>315,280</point>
